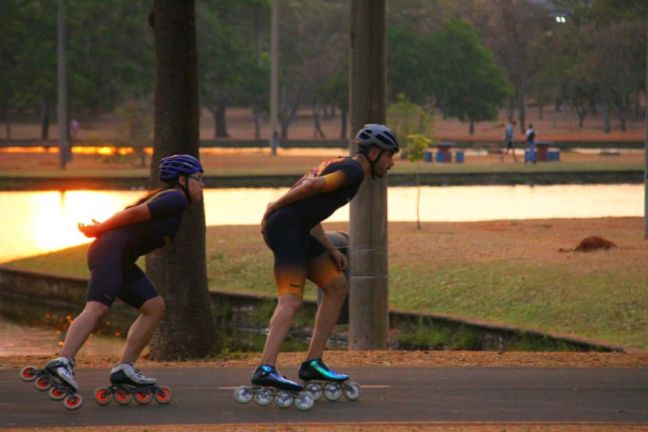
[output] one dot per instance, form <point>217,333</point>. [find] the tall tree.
<point>466,81</point>
<point>179,270</point>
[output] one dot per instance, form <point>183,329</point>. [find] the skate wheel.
<point>332,391</point>
<point>143,397</point>
<point>28,373</point>
<point>56,394</point>
<point>263,397</point>
<point>352,391</point>
<point>73,402</point>
<point>163,395</point>
<point>123,396</point>
<point>103,395</point>
<point>42,383</point>
<point>243,394</point>
<point>283,399</point>
<point>315,390</point>
<point>304,401</point>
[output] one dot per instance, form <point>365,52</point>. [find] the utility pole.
<point>274,77</point>
<point>368,307</point>
<point>64,145</point>
<point>646,142</point>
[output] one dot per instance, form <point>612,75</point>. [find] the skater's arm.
<point>129,216</point>
<point>338,257</point>
<point>306,188</point>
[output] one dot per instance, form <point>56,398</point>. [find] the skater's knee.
<point>154,307</point>
<point>95,309</point>
<point>290,303</point>
<point>336,288</point>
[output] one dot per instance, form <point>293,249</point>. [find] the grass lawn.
<point>507,271</point>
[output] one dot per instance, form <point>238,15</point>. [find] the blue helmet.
<point>172,167</point>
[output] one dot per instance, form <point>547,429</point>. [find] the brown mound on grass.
<point>589,244</point>
<point>592,243</point>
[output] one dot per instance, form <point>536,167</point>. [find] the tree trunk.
<point>606,116</point>
<point>179,270</point>
<point>45,121</point>
<point>220,122</point>
<point>317,132</point>
<point>344,123</point>
<point>256,116</point>
<point>471,127</point>
<point>368,294</point>
<point>521,113</point>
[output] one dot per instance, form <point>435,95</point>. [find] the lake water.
<point>38,222</point>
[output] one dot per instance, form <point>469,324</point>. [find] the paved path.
<point>390,394</point>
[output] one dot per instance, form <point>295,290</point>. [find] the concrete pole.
<point>64,147</point>
<point>646,141</point>
<point>368,307</point>
<point>274,77</point>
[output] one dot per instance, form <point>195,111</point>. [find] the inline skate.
<point>57,378</point>
<point>269,385</point>
<point>319,379</point>
<point>128,383</point>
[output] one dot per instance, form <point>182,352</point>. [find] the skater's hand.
<point>338,258</point>
<point>89,230</point>
<point>269,209</point>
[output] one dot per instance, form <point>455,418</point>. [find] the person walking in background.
<point>292,229</point>
<point>149,224</point>
<point>531,155</point>
<point>509,140</point>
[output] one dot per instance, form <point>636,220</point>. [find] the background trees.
<point>594,59</point>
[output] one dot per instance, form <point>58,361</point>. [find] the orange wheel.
<point>123,397</point>
<point>28,373</point>
<point>73,402</point>
<point>42,383</point>
<point>56,394</point>
<point>163,395</point>
<point>143,397</point>
<point>103,396</point>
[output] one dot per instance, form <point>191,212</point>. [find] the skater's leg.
<point>81,328</point>
<point>287,307</point>
<point>142,329</point>
<point>335,292</point>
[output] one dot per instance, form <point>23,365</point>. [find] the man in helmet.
<point>150,223</point>
<point>292,229</point>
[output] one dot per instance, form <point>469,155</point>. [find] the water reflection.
<point>38,222</point>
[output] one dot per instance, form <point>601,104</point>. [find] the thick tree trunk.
<point>317,127</point>
<point>179,270</point>
<point>471,127</point>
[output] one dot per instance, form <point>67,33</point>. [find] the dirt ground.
<point>551,125</point>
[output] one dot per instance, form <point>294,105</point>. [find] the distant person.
<point>74,128</point>
<point>509,140</point>
<point>149,224</point>
<point>531,146</point>
<point>292,229</point>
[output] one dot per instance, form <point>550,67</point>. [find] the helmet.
<point>172,167</point>
<point>376,135</point>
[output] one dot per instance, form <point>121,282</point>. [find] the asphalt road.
<point>390,394</point>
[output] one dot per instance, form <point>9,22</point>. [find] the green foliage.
<point>467,83</point>
<point>135,127</point>
<point>413,125</point>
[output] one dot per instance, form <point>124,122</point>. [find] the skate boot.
<point>57,377</point>
<point>128,382</point>
<point>269,385</point>
<point>318,379</point>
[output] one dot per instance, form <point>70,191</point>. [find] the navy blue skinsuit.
<point>112,256</point>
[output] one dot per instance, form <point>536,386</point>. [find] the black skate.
<point>269,385</point>
<point>127,383</point>
<point>57,378</point>
<point>319,379</point>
